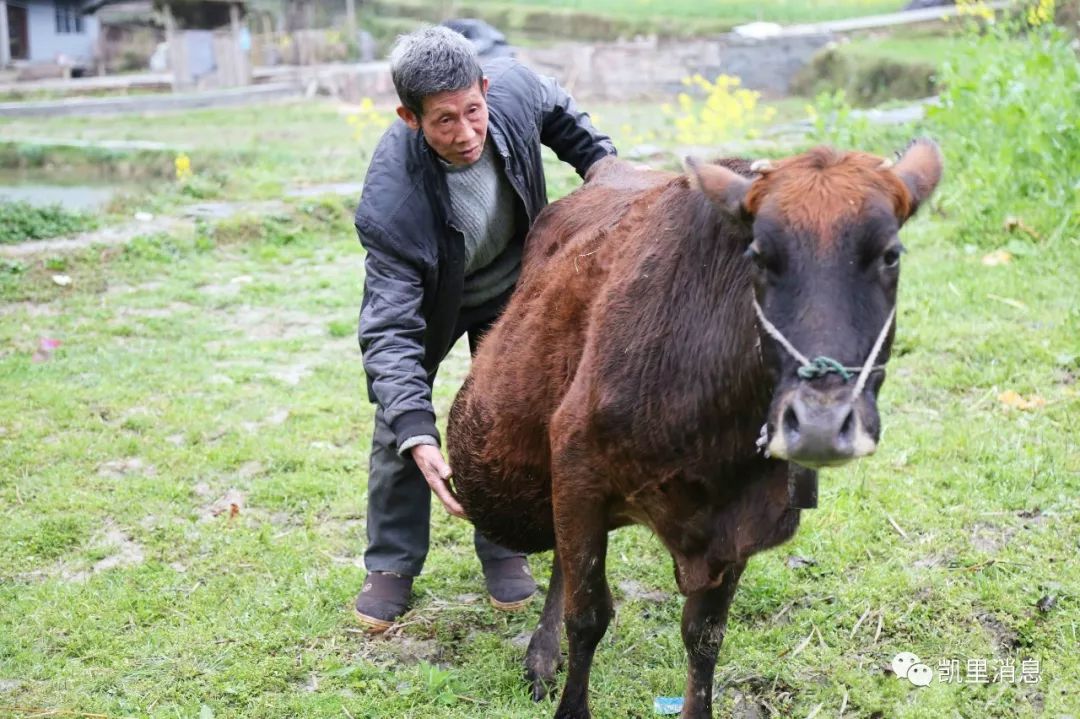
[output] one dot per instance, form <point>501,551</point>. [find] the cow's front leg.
<point>704,621</point>
<point>581,538</point>
<point>544,654</point>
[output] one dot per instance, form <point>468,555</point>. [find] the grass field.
<point>182,479</point>
<point>733,11</point>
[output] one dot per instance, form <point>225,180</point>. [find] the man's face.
<point>454,123</point>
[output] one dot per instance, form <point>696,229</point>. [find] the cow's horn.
<point>761,166</point>
<point>886,164</point>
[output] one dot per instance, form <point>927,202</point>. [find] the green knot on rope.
<point>821,366</point>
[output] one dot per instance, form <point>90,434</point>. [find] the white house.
<point>46,31</point>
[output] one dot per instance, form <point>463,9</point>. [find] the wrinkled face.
<point>826,263</point>
<point>454,123</point>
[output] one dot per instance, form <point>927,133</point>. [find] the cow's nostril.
<point>791,421</point>
<point>848,427</point>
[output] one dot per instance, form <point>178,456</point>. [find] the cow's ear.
<point>920,170</point>
<point>726,189</point>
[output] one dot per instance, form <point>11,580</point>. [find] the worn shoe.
<point>382,601</point>
<point>510,583</point>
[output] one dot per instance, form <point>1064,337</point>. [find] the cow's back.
<point>498,427</point>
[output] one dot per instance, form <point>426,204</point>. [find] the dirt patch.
<point>1004,640</point>
<point>120,468</point>
<point>170,310</point>
<point>230,504</point>
<point>636,592</point>
<point>108,236</point>
<point>990,538</point>
<point>122,550</point>
<point>274,419</point>
<point>30,309</point>
<point>250,469</point>
<point>400,649</point>
<point>933,560</point>
<point>746,707</point>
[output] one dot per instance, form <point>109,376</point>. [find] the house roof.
<point>91,6</point>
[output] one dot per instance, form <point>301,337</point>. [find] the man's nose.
<point>466,132</point>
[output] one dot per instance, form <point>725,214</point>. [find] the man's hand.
<point>436,471</point>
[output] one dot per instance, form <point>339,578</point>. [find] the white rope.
<point>864,371</point>
<point>770,328</point>
<point>865,374</point>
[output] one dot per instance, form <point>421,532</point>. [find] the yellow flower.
<point>183,167</point>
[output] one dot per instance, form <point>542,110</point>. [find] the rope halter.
<point>821,366</point>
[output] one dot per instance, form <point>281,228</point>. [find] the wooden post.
<point>181,78</point>
<point>5,41</point>
<point>350,20</point>
<point>239,64</point>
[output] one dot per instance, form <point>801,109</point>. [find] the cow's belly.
<point>504,487</point>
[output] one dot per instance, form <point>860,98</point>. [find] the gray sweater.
<point>483,203</point>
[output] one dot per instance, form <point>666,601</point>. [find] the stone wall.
<point>650,67</point>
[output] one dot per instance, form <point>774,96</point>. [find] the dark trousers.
<point>399,499</point>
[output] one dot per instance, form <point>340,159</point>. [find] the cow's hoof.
<point>540,684</point>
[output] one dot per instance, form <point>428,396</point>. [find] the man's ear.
<point>408,117</point>
<point>484,83</point>
<point>726,189</point>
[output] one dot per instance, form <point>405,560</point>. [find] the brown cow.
<point>659,322</point>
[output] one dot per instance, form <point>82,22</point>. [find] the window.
<point>68,18</point>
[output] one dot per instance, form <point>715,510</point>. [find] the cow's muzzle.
<point>821,428</point>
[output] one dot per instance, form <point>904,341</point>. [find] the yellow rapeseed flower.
<point>183,167</point>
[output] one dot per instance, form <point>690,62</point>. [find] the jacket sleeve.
<point>392,339</point>
<point>569,131</point>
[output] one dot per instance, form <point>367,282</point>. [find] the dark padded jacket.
<point>415,265</point>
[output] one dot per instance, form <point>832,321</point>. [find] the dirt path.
<point>144,223</point>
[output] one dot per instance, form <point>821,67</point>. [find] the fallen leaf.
<point>1046,603</point>
<point>234,510</point>
<point>997,257</point>
<point>62,280</point>
<point>46,347</point>
<point>1012,398</point>
<point>796,562</point>
<point>1013,223</point>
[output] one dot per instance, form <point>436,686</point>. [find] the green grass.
<point>930,49</point>
<point>732,11</point>
<point>203,369</point>
<point>21,221</point>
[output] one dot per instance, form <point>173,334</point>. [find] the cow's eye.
<point>890,259</point>
<point>755,256</point>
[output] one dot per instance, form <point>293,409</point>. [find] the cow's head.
<point>826,261</point>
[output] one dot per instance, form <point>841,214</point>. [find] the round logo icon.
<point>920,675</point>
<point>903,662</point>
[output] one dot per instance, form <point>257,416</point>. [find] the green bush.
<point>867,81</point>
<point>1009,124</point>
<point>21,221</point>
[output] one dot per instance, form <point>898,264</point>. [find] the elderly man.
<point>449,196</point>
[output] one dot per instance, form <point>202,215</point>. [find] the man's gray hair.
<point>429,61</point>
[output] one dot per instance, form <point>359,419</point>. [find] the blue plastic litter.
<point>667,705</point>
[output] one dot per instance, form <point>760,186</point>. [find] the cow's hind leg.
<point>544,654</point>
<point>704,622</point>
<point>581,536</point>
